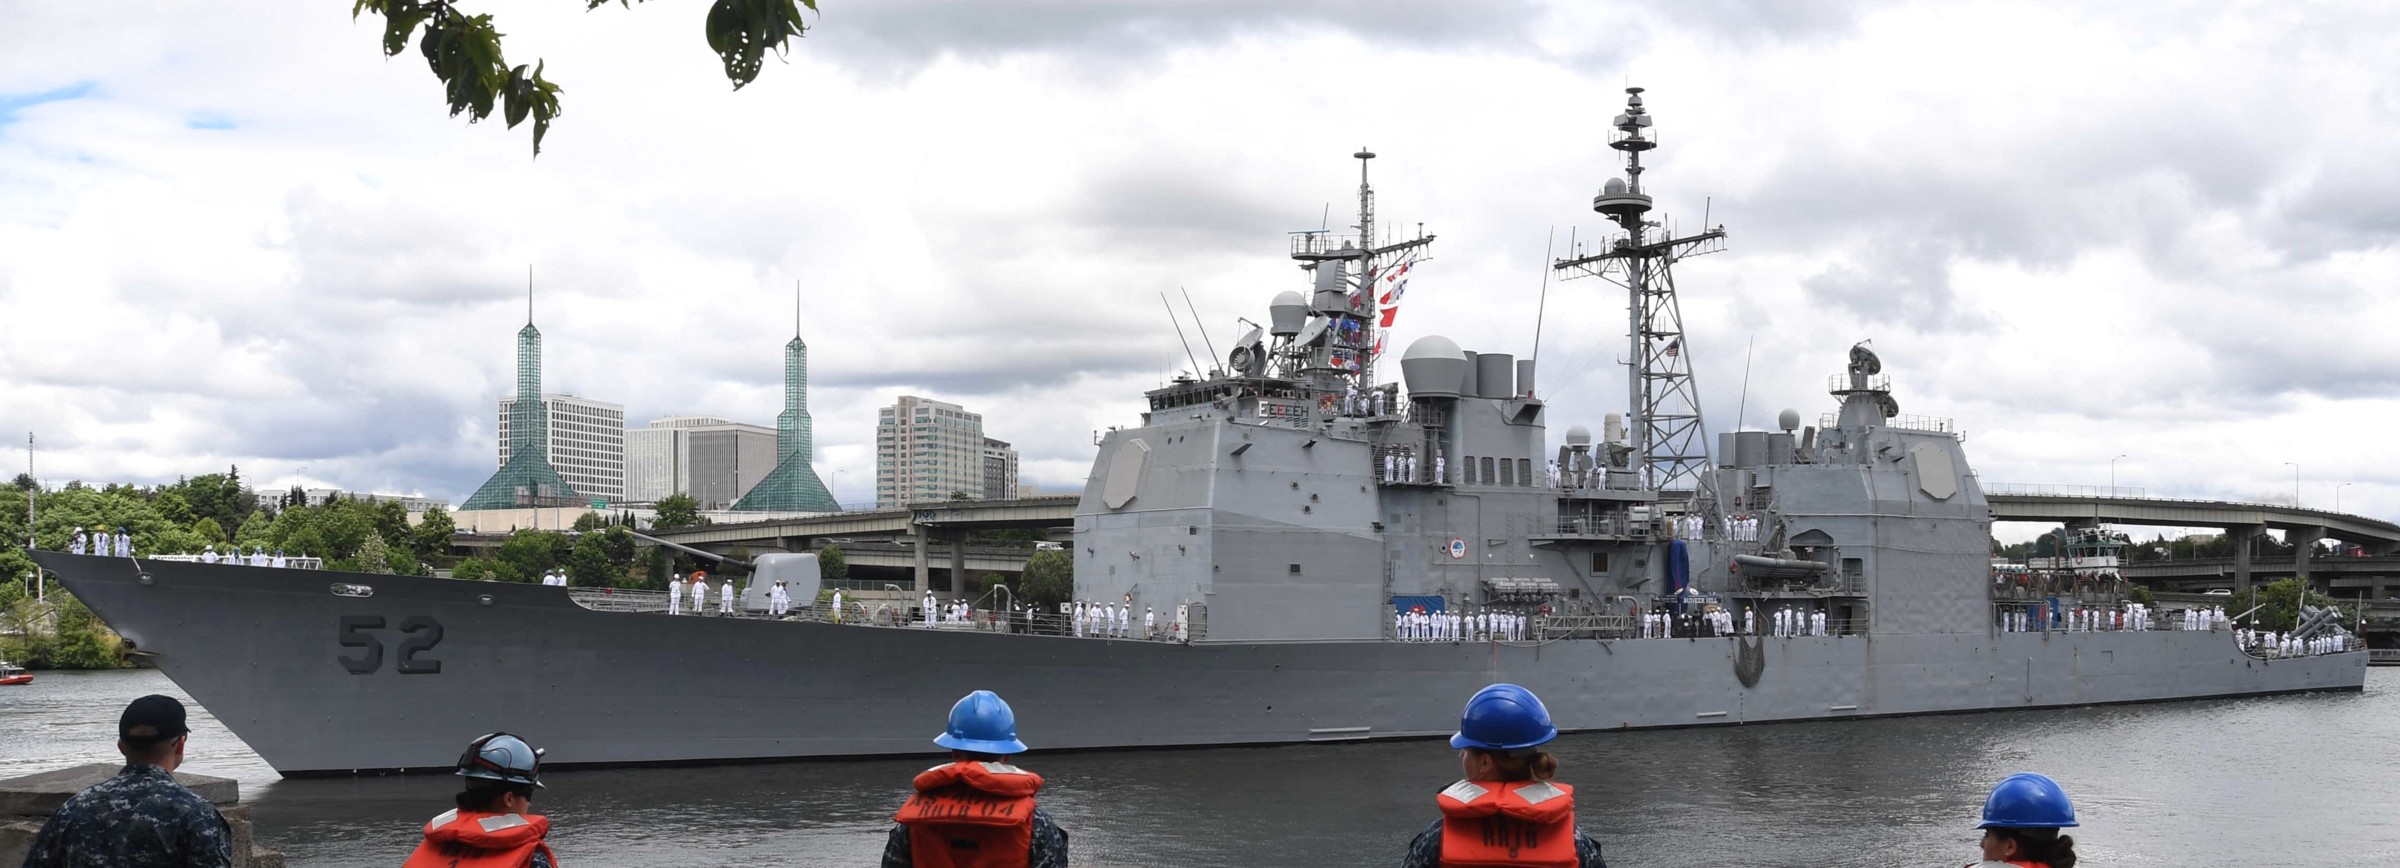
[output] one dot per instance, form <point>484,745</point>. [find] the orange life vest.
<point>971,814</point>
<point>473,839</point>
<point>1514,823</point>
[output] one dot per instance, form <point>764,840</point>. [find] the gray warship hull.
<point>279,657</point>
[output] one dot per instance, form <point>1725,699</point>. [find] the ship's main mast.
<point>1319,249</point>
<point>1670,439</point>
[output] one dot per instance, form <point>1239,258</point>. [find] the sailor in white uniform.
<point>674,595</point>
<point>724,599</point>
<point>1391,466</point>
<point>837,605</point>
<point>1441,469</point>
<point>77,545</point>
<point>1149,623</point>
<point>1409,467</point>
<point>258,556</point>
<point>699,593</point>
<point>928,608</point>
<point>208,553</point>
<point>1124,621</point>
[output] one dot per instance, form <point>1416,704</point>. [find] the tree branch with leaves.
<point>464,52</point>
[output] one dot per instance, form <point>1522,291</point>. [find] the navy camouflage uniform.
<point>1426,850</point>
<point>138,819</point>
<point>1049,849</point>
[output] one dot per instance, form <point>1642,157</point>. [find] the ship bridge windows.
<point>1508,472</point>
<point>1525,472</point>
<point>1470,480</point>
<point>1487,471</point>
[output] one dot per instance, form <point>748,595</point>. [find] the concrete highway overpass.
<point>2091,506</point>
<point>919,527</point>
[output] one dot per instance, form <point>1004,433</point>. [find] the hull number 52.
<point>359,631</point>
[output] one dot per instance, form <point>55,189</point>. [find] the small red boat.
<point>11,673</point>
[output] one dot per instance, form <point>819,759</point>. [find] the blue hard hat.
<point>502,757</point>
<point>1503,717</point>
<point>982,722</point>
<point>2028,801</point>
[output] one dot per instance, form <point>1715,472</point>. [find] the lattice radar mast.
<point>1669,439</point>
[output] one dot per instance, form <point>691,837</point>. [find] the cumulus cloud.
<point>2149,229</point>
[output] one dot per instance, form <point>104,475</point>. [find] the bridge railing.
<point>2045,490</point>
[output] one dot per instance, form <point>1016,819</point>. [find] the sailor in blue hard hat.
<point>490,827</point>
<point>976,809</point>
<point>1506,811</point>
<point>2021,822</point>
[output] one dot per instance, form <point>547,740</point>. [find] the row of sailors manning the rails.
<point>1419,625</point>
<point>779,595</point>
<point>2137,616</point>
<point>120,545</point>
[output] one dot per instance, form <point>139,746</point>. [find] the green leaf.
<point>741,32</point>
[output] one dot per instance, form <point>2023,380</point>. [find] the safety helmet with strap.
<point>502,757</point>
<point>2028,801</point>
<point>1503,717</point>
<point>983,723</point>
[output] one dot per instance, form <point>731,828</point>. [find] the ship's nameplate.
<point>1936,476</point>
<point>1125,473</point>
<point>1288,414</point>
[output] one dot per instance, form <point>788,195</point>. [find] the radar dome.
<point>1578,435</point>
<point>1788,420</point>
<point>1434,367</point>
<point>1615,186</point>
<point>1287,312</point>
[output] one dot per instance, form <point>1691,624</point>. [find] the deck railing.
<point>896,615</point>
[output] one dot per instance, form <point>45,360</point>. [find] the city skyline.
<point>2077,260</point>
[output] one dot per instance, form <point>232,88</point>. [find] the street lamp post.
<point>2295,484</point>
<point>2112,476</point>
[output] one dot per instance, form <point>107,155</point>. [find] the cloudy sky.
<point>234,233</point>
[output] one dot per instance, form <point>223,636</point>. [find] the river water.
<point>2275,781</point>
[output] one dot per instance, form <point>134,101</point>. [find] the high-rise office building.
<point>927,450</point>
<point>999,470</point>
<point>587,443</point>
<point>793,486</point>
<point>713,460</point>
<point>530,480</point>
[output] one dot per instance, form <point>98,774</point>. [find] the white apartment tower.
<point>927,450</point>
<point>587,444</point>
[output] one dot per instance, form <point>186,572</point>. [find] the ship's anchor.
<point>1749,659</point>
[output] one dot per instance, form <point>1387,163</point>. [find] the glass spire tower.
<point>527,479</point>
<point>793,485</point>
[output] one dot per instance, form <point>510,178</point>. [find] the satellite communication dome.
<point>1578,435</point>
<point>1287,312</point>
<point>1434,367</point>
<point>1788,420</point>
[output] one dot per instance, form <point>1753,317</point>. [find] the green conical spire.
<point>527,479</point>
<point>793,485</point>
